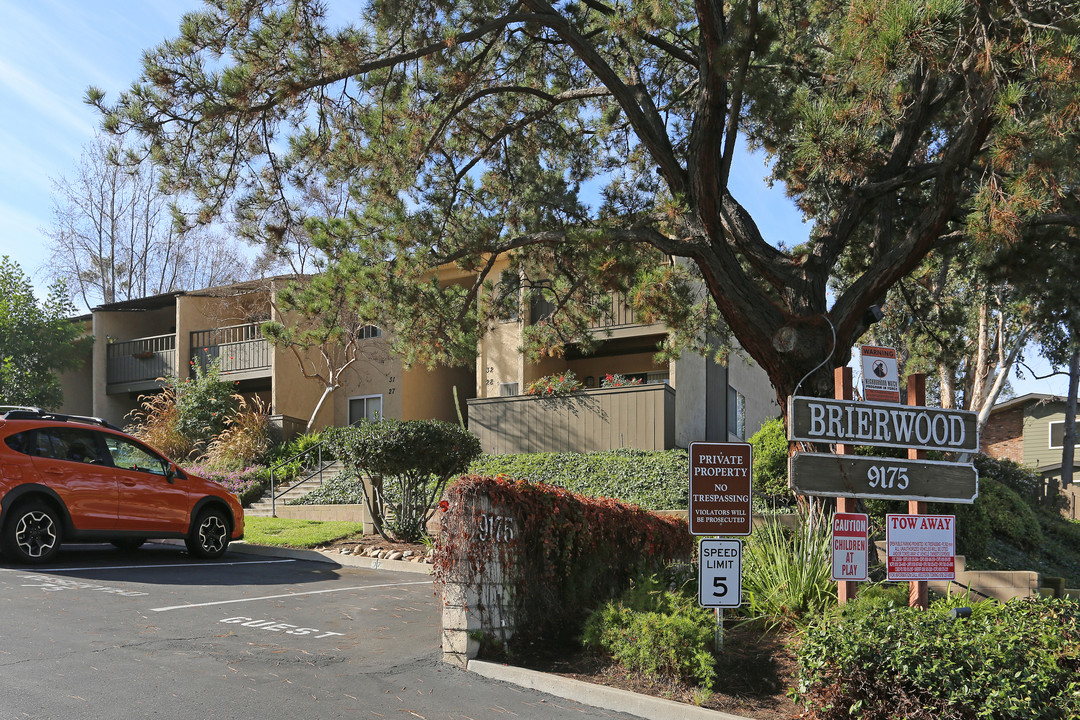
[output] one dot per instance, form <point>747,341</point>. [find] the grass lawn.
<point>296,533</point>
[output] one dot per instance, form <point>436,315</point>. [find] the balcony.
<point>617,321</point>
<point>641,417</point>
<point>136,365</point>
<point>241,350</point>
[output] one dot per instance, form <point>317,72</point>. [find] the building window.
<point>368,407</point>
<point>658,378</point>
<point>369,331</point>
<point>508,389</point>
<point>736,413</point>
<point>1057,435</point>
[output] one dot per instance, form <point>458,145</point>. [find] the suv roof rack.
<point>18,412</point>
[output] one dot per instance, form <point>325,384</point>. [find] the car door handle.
<point>128,482</point>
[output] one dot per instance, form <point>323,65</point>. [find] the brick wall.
<point>1003,437</point>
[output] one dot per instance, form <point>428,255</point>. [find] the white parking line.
<point>287,595</point>
<point>44,571</point>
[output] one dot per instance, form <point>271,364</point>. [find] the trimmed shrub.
<point>658,632</point>
<point>771,459</point>
<point>410,463</point>
<point>652,480</point>
<point>204,402</point>
<point>561,554</point>
<point>1019,660</point>
<point>1025,481</point>
<point>1009,517</point>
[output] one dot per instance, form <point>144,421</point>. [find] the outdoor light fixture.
<point>960,612</point>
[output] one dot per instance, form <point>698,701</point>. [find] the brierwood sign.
<point>881,424</point>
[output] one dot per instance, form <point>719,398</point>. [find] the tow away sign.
<point>921,547</point>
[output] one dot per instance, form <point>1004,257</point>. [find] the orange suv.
<point>71,478</point>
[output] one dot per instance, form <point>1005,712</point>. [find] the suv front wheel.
<point>209,537</point>
<point>32,532</point>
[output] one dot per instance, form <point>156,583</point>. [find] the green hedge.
<point>656,480</point>
<point>343,489</point>
<point>1020,659</point>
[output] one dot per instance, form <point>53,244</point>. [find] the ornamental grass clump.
<point>787,572</point>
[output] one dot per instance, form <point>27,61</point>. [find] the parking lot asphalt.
<point>259,633</point>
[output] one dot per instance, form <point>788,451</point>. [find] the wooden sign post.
<point>843,390</point>
<point>918,595</point>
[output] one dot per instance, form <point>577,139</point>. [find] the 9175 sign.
<point>884,478</point>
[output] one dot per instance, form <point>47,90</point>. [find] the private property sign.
<point>921,547</point>
<point>850,542</point>
<point>881,424</point>
<point>720,488</point>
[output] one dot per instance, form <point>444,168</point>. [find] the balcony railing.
<point>134,365</point>
<point>239,349</point>
<point>616,312</point>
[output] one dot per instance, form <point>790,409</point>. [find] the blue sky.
<point>52,50</point>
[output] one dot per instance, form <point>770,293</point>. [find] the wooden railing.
<point>616,312</point>
<point>140,361</point>
<point>237,348</point>
<point>640,416</point>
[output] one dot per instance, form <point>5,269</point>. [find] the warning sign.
<point>881,379</point>
<point>850,540</point>
<point>720,488</point>
<point>921,547</point>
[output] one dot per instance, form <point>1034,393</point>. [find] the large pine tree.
<point>475,127</point>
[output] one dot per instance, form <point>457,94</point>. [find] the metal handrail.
<point>274,495</point>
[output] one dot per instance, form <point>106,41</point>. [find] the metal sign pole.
<point>718,636</point>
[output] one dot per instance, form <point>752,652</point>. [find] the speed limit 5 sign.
<point>720,573</point>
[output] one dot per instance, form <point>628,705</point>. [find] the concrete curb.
<point>601,696</point>
<point>335,558</point>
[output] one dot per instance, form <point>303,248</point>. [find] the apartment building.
<point>138,342</point>
<point>690,399</point>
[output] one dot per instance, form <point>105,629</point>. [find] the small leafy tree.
<point>409,462</point>
<point>204,403</point>
<point>185,417</point>
<point>36,340</point>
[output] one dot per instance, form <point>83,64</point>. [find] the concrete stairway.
<point>262,508</point>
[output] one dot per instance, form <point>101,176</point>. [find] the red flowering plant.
<point>560,554</point>
<point>555,384</point>
<point>616,380</point>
